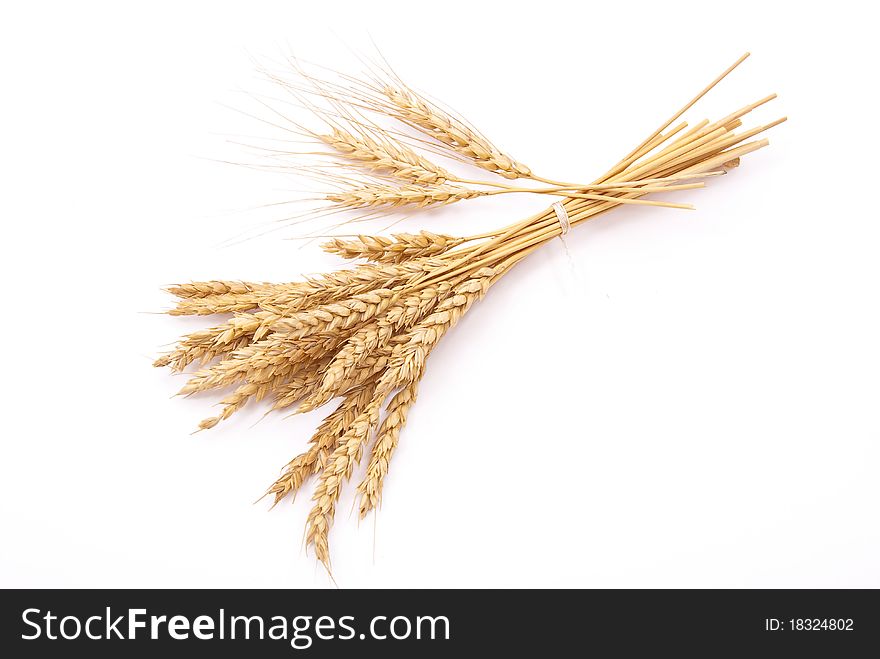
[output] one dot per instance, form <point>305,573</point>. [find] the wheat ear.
<point>387,157</point>
<point>413,109</point>
<point>199,289</point>
<point>398,248</point>
<point>386,441</point>
<point>380,195</point>
<point>338,470</point>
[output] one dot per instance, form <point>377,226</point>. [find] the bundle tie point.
<point>562,217</point>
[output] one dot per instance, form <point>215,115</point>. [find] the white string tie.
<point>562,217</point>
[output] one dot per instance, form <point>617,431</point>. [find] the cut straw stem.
<point>633,155</point>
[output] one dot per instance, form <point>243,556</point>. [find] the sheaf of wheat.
<point>358,339</point>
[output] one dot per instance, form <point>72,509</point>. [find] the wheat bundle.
<point>362,336</point>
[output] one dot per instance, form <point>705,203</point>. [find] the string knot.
<point>562,217</point>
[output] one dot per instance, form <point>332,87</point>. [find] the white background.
<point>690,400</point>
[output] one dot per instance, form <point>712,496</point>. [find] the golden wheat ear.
<point>416,111</point>
<point>398,248</point>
